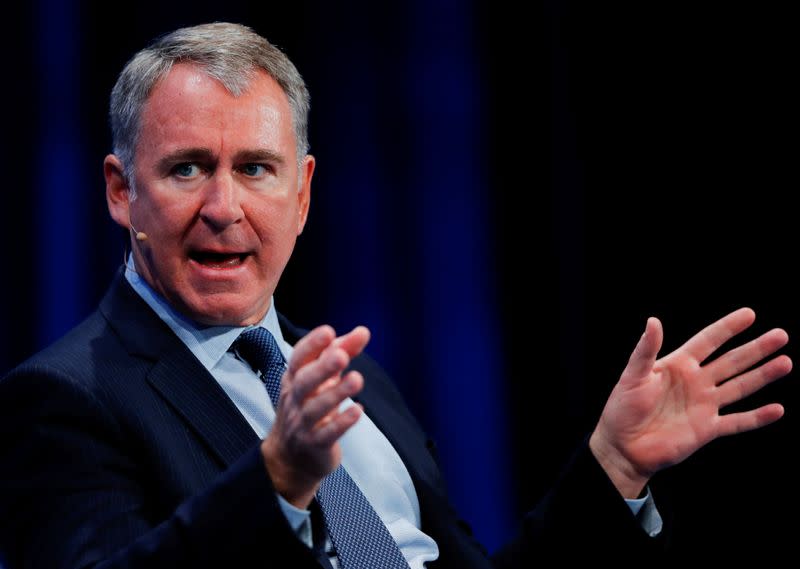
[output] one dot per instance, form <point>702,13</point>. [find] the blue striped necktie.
<point>357,532</point>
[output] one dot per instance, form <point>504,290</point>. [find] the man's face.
<point>218,193</point>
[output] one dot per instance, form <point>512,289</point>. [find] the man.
<point>145,437</point>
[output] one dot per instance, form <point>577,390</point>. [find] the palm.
<point>661,411</point>
<point>303,445</point>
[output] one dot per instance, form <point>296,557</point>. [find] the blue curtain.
<point>404,205</point>
<point>62,191</point>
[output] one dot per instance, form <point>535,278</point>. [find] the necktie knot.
<point>259,348</point>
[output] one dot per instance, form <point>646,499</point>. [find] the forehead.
<point>190,108</point>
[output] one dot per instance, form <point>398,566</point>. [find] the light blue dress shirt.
<point>367,455</point>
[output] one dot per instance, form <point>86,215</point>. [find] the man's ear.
<point>118,191</point>
<point>304,191</point>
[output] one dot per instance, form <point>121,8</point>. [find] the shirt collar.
<point>208,343</point>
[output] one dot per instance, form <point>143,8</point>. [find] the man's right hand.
<point>303,445</point>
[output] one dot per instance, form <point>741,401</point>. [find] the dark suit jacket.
<point>118,449</point>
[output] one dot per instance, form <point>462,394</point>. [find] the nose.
<point>222,201</point>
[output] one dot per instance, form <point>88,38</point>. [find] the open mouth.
<point>214,260</point>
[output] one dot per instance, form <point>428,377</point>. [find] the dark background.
<point>502,195</point>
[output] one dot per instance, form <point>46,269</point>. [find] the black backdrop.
<point>634,160</point>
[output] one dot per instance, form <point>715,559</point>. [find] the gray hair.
<point>230,53</point>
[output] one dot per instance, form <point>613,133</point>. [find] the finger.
<point>312,375</point>
<point>743,357</point>
<point>645,353</point>
<point>710,338</point>
<point>332,430</point>
<point>327,400</point>
<point>311,361</point>
<point>746,384</point>
<point>310,347</point>
<point>354,341</point>
<point>749,420</point>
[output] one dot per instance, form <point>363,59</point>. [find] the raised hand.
<point>302,447</point>
<point>663,410</point>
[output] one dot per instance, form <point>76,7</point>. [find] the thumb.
<point>644,354</point>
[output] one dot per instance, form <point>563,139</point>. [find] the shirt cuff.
<point>299,520</point>
<point>645,511</point>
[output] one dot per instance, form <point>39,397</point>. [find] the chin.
<point>229,313</point>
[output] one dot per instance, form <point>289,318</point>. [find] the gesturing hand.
<point>661,411</point>
<point>302,447</point>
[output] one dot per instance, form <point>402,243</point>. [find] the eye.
<point>254,170</point>
<point>186,170</point>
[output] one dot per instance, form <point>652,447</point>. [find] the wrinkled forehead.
<point>190,108</point>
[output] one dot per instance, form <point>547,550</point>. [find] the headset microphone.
<point>140,235</point>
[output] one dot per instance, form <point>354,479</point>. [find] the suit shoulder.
<point>76,353</point>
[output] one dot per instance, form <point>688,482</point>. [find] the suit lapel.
<point>405,436</point>
<point>177,375</point>
<point>198,398</point>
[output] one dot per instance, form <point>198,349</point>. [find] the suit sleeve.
<point>71,497</point>
<point>583,516</point>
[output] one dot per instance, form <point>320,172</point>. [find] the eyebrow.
<point>165,163</point>
<point>260,155</point>
<point>206,155</point>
